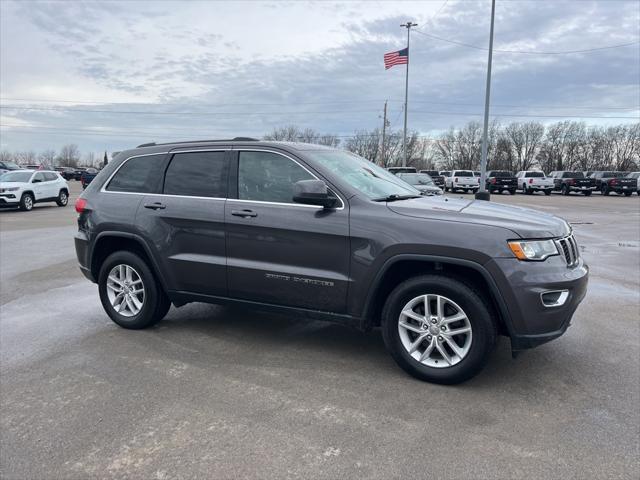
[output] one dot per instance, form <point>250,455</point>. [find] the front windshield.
<point>416,178</point>
<point>501,174</point>
<point>613,174</point>
<point>11,166</point>
<point>363,175</point>
<point>15,177</point>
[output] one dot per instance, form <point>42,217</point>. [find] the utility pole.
<point>384,134</point>
<point>482,193</point>
<point>408,26</point>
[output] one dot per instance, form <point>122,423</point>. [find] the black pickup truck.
<point>567,182</point>
<point>608,182</point>
<point>436,177</point>
<point>501,180</point>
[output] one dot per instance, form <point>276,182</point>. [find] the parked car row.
<point>528,181</point>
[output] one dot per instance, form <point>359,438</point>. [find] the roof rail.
<point>236,139</point>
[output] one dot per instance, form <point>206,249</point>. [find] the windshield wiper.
<point>394,197</point>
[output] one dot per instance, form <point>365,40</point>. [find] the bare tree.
<point>6,156</point>
<point>525,139</point>
<point>366,144</point>
<point>27,157</point>
<point>48,158</point>
<point>69,156</point>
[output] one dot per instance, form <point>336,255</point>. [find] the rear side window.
<point>49,177</point>
<point>464,173</point>
<point>139,175</point>
<point>268,177</point>
<point>197,174</point>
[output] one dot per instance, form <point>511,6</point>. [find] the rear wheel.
<point>438,329</point>
<point>605,190</point>
<point>130,293</point>
<point>63,198</point>
<point>565,190</point>
<point>26,202</point>
<point>526,190</point>
<point>547,192</point>
<point>512,191</point>
<point>587,193</point>
<point>627,194</point>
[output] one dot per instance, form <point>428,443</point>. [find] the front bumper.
<point>522,284</point>
<point>9,200</point>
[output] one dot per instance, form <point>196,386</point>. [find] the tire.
<point>512,191</point>
<point>605,190</point>
<point>26,202</point>
<point>587,193</point>
<point>627,194</point>
<point>547,192</point>
<point>63,198</point>
<point>482,337</point>
<point>565,190</point>
<point>465,190</point>
<point>525,190</point>
<point>154,302</point>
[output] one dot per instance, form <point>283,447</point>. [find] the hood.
<point>11,184</point>
<point>524,222</point>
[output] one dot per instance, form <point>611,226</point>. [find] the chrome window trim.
<point>240,150</point>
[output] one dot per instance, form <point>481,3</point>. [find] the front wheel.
<point>438,329</point>
<point>26,202</point>
<point>130,293</point>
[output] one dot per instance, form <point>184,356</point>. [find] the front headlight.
<point>11,189</point>
<point>533,249</point>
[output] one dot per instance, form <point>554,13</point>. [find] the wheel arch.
<point>404,266</point>
<point>108,242</point>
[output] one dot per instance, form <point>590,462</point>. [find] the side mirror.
<point>313,192</point>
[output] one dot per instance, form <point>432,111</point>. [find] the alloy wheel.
<point>125,290</point>
<point>435,331</point>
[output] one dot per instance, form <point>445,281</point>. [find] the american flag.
<point>401,57</point>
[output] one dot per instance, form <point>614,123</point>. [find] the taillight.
<point>81,204</point>
<point>531,180</point>
<point>493,180</point>
<point>572,182</point>
<point>613,182</point>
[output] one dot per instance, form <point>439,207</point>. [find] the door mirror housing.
<point>313,192</point>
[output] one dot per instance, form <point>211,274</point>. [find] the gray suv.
<point>321,233</point>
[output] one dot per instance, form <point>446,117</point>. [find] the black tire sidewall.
<point>59,200</point>
<point>483,328</point>
<point>151,311</point>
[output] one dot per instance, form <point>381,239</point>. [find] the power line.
<point>528,52</point>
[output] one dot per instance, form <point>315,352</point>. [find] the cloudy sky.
<point>109,75</point>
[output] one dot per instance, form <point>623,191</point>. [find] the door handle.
<point>243,213</point>
<point>155,206</point>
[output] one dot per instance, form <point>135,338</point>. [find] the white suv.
<point>461,180</point>
<point>531,181</point>
<point>24,188</point>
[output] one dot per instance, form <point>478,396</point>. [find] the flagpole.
<point>408,26</point>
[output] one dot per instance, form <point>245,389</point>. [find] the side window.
<point>197,174</point>
<point>139,175</point>
<point>268,177</point>
<point>49,177</point>
<point>38,177</point>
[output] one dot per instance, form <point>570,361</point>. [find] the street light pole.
<point>408,26</point>
<point>482,192</point>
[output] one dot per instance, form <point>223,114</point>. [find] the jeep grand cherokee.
<point>325,234</point>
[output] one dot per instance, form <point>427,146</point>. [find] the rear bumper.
<point>581,189</point>
<point>81,241</point>
<point>522,284</point>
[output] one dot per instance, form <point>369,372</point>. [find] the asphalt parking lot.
<point>215,392</point>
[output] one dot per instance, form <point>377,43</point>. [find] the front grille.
<point>569,250</point>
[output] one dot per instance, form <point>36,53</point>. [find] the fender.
<point>139,240</point>
<point>493,287</point>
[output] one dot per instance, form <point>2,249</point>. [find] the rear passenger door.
<point>39,186</point>
<point>186,221</point>
<point>281,252</point>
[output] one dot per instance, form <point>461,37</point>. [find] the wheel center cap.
<point>434,330</point>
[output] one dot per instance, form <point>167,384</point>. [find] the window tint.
<point>268,177</point>
<point>534,174</point>
<point>139,175</point>
<point>197,174</point>
<point>39,177</point>
<point>48,176</point>
<point>463,173</point>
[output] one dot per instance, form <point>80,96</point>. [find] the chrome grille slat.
<point>569,250</point>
